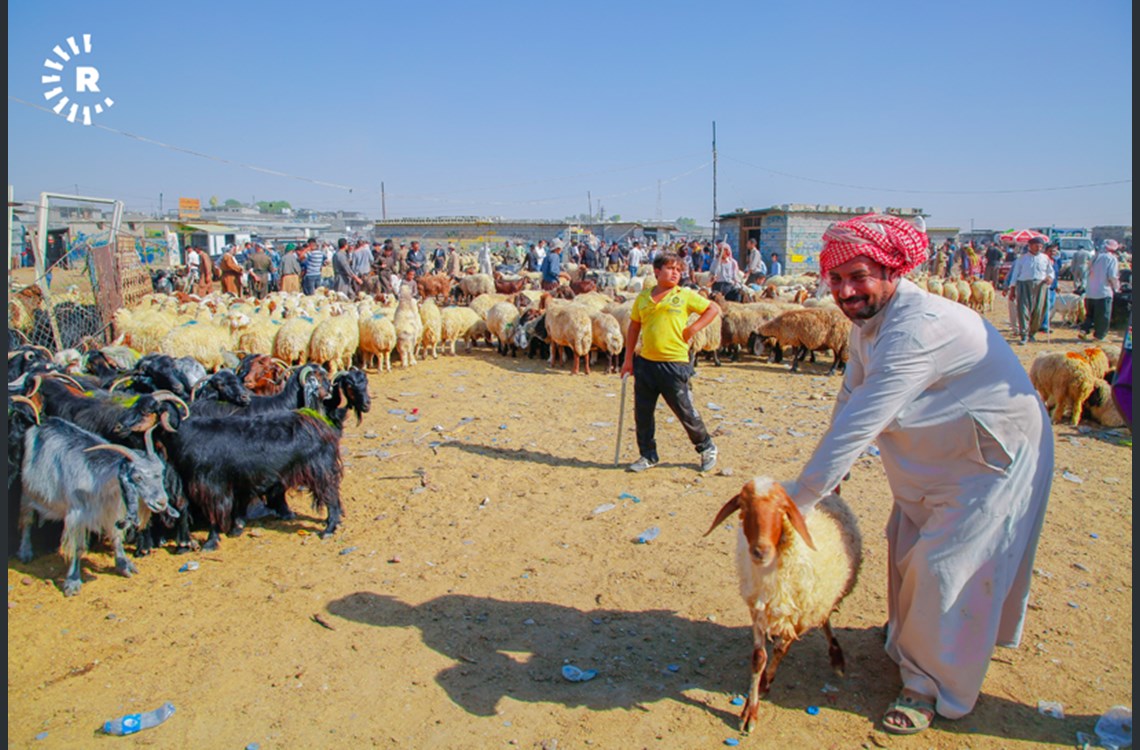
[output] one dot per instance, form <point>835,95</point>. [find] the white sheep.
<point>607,338</point>
<point>377,340</point>
<point>484,302</point>
<point>409,327</point>
<point>501,321</point>
<point>475,284</point>
<point>568,325</point>
<point>432,328</point>
<point>292,342</point>
<point>455,323</point>
<point>1071,308</point>
<point>335,341</point>
<point>205,342</point>
<point>794,571</point>
<point>981,296</point>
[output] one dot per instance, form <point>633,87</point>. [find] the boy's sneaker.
<point>708,458</point>
<point>641,464</point>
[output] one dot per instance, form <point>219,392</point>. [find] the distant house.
<point>793,231</point>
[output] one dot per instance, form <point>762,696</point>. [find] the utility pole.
<point>659,200</point>
<point>714,222</point>
<point>383,202</point>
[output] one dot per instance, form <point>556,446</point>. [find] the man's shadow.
<point>518,649</point>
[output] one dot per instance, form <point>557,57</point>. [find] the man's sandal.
<point>917,711</point>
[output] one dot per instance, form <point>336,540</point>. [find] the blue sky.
<point>985,114</point>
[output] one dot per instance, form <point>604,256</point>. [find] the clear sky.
<point>983,113</point>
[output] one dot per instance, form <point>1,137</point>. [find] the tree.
<point>685,224</point>
<point>232,203</point>
<point>213,201</point>
<point>273,207</point>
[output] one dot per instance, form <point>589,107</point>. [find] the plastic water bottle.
<point>1114,729</point>
<point>648,535</point>
<point>132,723</point>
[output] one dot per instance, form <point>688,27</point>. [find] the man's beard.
<point>866,312</point>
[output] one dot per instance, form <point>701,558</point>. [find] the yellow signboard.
<point>189,208</point>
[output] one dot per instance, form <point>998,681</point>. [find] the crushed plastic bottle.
<point>648,535</point>
<point>1114,729</point>
<point>132,723</point>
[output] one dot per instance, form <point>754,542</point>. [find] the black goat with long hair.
<point>226,461</point>
<point>114,418</point>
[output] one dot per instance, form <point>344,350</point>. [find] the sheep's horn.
<point>113,447</point>
<point>168,396</point>
<point>29,402</point>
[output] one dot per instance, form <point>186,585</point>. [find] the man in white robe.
<point>968,452</point>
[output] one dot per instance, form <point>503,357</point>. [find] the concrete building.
<point>472,231</point>
<point>793,231</point>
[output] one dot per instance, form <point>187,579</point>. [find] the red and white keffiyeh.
<point>889,240</point>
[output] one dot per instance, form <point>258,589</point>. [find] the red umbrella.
<point>1022,236</point>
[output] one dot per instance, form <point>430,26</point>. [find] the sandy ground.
<point>477,559</point>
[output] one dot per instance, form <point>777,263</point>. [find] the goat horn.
<point>43,349</point>
<point>68,379</point>
<point>36,381</point>
<point>29,402</point>
<point>168,396</point>
<point>118,381</point>
<point>164,419</point>
<point>148,438</point>
<point>113,447</point>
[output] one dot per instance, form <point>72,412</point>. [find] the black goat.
<point>72,475</point>
<point>112,417</point>
<point>306,388</point>
<point>226,461</point>
<point>223,386</point>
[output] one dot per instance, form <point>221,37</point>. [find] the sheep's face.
<point>763,506</point>
<point>762,522</point>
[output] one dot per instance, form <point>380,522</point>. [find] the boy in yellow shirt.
<point>660,315</point>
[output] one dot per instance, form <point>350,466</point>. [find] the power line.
<point>199,154</point>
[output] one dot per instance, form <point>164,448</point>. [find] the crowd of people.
<point>256,269</point>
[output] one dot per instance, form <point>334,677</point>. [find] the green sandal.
<point>917,711</point>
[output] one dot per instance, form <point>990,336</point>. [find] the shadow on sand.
<point>517,649</point>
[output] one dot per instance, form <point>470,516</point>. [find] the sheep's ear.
<point>726,510</point>
<point>793,515</point>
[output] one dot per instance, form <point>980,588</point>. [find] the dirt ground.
<point>478,557</point>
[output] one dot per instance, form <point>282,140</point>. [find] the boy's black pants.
<point>669,380</point>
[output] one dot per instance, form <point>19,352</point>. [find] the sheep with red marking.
<point>794,571</point>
